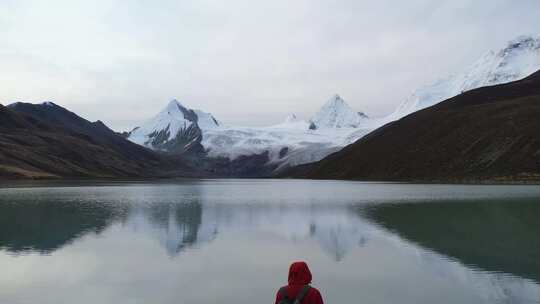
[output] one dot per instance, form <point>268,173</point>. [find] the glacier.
<point>294,141</point>
<point>291,142</point>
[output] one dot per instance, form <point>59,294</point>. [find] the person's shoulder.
<point>314,290</point>
<point>282,289</point>
<point>315,296</point>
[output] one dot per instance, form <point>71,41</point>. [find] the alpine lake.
<point>231,241</point>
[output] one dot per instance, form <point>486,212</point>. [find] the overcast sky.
<point>248,62</point>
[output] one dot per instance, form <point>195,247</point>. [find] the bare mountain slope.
<point>35,146</point>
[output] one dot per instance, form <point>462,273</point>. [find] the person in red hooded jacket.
<point>299,277</point>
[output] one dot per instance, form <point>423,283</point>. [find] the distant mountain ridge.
<point>177,129</point>
<point>181,134</point>
<point>335,124</point>
<point>54,114</point>
<point>47,141</point>
<point>486,134</point>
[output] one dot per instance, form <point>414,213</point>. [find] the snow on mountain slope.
<point>286,146</point>
<point>206,120</point>
<point>172,119</point>
<point>293,122</point>
<point>175,128</point>
<point>517,60</point>
<point>336,113</point>
<point>335,125</point>
<point>292,142</point>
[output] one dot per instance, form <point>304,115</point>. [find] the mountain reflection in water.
<point>46,226</point>
<point>488,245</point>
<point>497,236</point>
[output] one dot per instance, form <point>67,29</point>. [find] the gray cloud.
<point>248,62</point>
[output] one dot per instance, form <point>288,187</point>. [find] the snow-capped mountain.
<point>336,113</point>
<point>292,142</point>
<point>335,125</point>
<point>517,60</point>
<point>293,122</point>
<point>291,118</point>
<point>175,129</point>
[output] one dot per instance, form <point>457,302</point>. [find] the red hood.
<point>299,274</point>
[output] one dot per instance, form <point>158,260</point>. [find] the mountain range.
<point>180,141</point>
<point>179,129</point>
<point>334,126</point>
<point>487,134</point>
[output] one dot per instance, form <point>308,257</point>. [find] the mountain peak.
<point>175,128</point>
<point>526,41</point>
<point>335,100</point>
<point>516,60</point>
<point>176,111</point>
<point>336,113</point>
<point>290,118</point>
<point>520,47</point>
<point>174,105</point>
<point>293,122</point>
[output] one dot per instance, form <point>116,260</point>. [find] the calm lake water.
<point>231,241</point>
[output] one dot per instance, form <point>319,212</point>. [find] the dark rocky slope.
<point>47,141</point>
<point>487,134</point>
<point>54,114</point>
